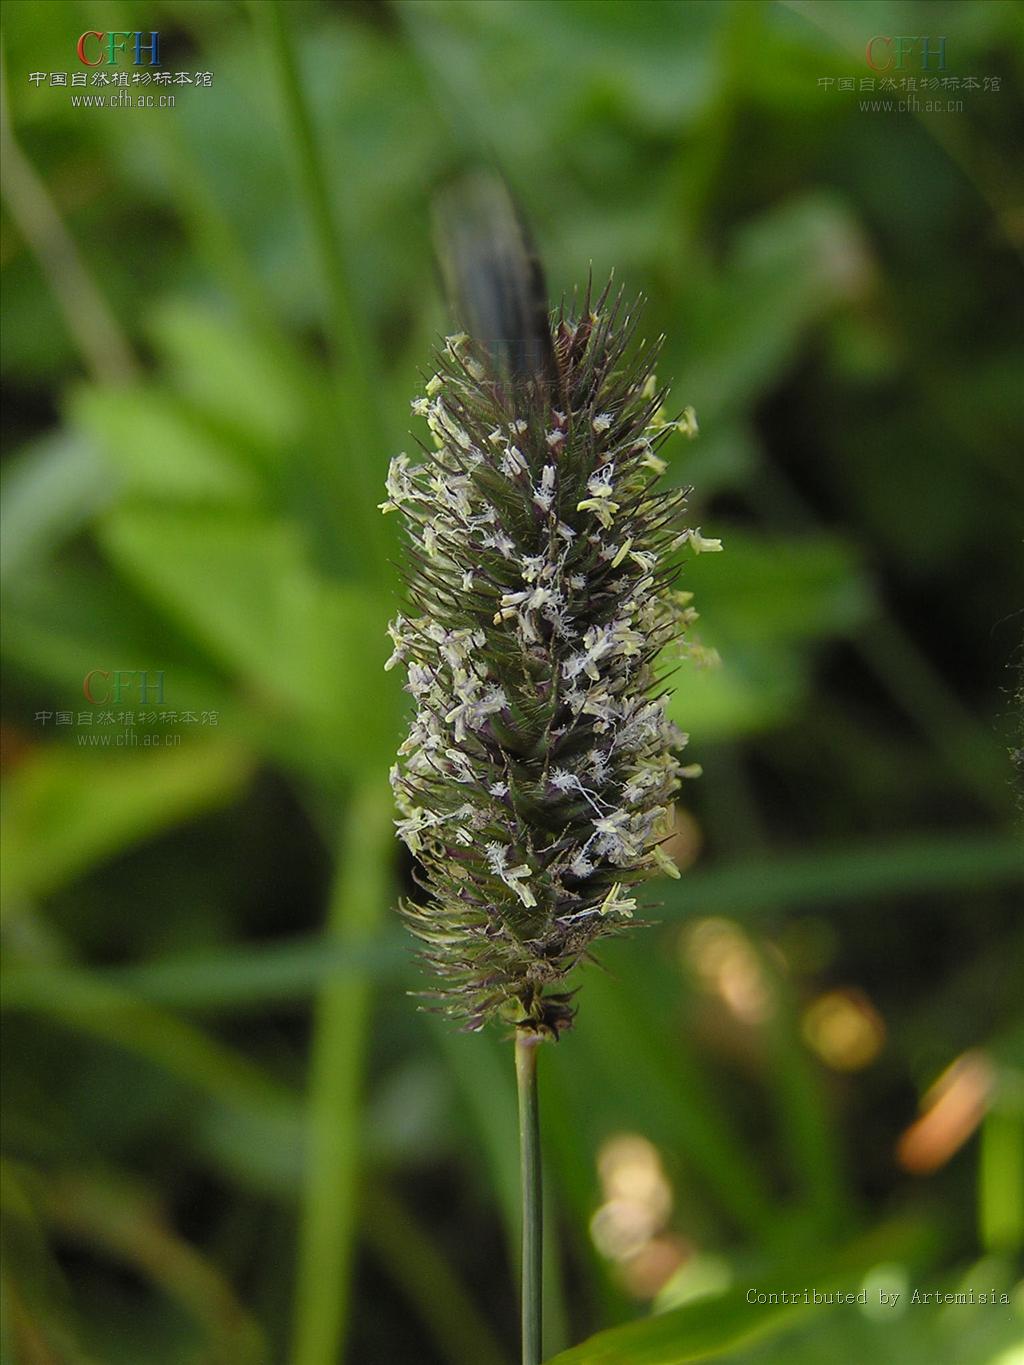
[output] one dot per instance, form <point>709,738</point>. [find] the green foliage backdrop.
<point>228,1136</point>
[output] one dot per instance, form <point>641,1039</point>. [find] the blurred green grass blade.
<point>631,1065</point>
<point>292,380</point>
<point>489,1105</point>
<point>700,163</point>
<point>969,745</point>
<point>37,1323</point>
<point>254,978</point>
<point>348,332</point>
<point>360,896</point>
<point>120,1220</point>
<point>253,1127</point>
<point>65,810</point>
<point>250,1126</point>
<point>213,236</point>
<point>797,1091</point>
<point>92,1007</point>
<point>411,1256</point>
<point>834,876</point>
<point>948,1016</point>
<point>353,344</point>
<point>710,1326</point>
<point>95,329</point>
<point>235,979</point>
<point>623,1033</point>
<point>970,748</point>
<point>1001,1182</point>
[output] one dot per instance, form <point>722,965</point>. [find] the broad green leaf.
<point>724,457</point>
<point>300,646</point>
<point>921,1332</point>
<point>787,269</point>
<point>63,619</point>
<point>66,810</point>
<point>49,490</point>
<point>775,590</point>
<point>698,1331</point>
<point>153,447</point>
<point>661,76</point>
<point>759,601</point>
<point>720,1322</point>
<point>223,370</point>
<point>750,690</point>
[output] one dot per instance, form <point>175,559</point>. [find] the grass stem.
<point>530,1182</point>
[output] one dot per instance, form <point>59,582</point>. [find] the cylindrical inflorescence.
<point>536,782</point>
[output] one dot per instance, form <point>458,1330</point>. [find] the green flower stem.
<point>530,1180</point>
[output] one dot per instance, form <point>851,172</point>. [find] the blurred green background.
<point>228,1136</point>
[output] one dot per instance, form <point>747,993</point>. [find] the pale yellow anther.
<point>702,545</point>
<point>687,424</point>
<point>664,862</point>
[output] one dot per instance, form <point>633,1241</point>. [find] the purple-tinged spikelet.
<point>536,782</point>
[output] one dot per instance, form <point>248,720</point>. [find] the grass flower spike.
<point>536,782</point>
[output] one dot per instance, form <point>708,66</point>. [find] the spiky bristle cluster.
<point>536,781</point>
